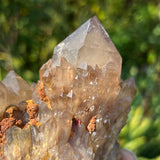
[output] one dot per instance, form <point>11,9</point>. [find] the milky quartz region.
<point>77,108</point>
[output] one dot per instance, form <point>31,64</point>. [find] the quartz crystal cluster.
<point>77,108</point>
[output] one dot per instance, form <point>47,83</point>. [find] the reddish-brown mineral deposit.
<point>77,108</point>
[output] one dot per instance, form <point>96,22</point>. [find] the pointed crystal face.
<point>89,44</point>
<point>16,85</point>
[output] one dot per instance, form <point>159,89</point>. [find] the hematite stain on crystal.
<point>78,106</point>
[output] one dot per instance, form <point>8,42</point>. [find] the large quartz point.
<point>89,44</point>
<point>77,108</point>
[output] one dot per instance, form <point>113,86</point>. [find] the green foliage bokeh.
<point>29,31</point>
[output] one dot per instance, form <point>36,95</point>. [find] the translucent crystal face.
<point>3,98</point>
<point>88,44</point>
<point>17,86</point>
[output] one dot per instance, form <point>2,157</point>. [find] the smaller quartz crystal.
<point>18,86</point>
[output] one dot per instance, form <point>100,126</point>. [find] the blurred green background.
<point>29,31</point>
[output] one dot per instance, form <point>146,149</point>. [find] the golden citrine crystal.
<point>79,105</point>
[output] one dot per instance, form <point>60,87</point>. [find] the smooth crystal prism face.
<point>89,44</point>
<point>18,143</point>
<point>77,108</point>
<point>3,98</point>
<point>17,86</point>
